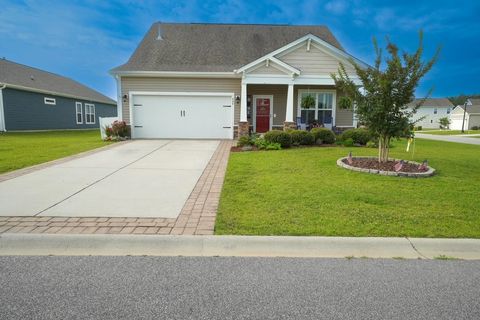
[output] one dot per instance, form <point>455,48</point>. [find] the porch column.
<point>243,125</point>
<point>289,123</point>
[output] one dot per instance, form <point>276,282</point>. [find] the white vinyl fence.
<point>104,122</point>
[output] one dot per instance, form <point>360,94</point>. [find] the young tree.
<point>444,123</point>
<point>381,100</point>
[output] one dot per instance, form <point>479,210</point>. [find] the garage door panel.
<point>171,116</point>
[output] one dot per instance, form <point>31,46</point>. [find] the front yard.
<point>23,149</point>
<point>303,192</point>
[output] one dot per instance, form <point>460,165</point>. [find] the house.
<point>431,111</point>
<point>33,99</point>
<point>472,116</point>
<point>219,80</point>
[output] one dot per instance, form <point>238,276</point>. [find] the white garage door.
<point>182,116</point>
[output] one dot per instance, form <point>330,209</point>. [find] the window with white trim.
<point>78,112</point>
<point>435,111</point>
<point>322,112</point>
<point>89,113</point>
<point>448,110</point>
<point>51,101</point>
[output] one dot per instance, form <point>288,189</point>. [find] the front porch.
<point>267,107</point>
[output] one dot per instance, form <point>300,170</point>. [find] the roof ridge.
<point>244,24</point>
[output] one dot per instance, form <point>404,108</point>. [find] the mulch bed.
<point>373,163</point>
<point>239,149</point>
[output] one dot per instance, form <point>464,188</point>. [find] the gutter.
<point>2,111</point>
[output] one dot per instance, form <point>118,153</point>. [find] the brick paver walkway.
<point>197,216</point>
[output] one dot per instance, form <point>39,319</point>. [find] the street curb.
<point>237,246</point>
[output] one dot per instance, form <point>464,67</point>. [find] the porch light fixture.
<point>125,98</point>
<point>467,103</point>
<point>237,99</point>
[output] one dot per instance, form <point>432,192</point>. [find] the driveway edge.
<point>237,246</point>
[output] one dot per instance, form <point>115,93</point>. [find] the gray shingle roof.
<point>199,47</point>
<point>16,74</point>
<point>433,102</point>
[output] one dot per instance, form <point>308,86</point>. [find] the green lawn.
<point>303,192</point>
<point>23,149</point>
<point>448,132</point>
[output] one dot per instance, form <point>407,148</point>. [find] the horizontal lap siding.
<point>25,110</point>
<point>267,70</point>
<point>313,62</point>
<point>179,85</point>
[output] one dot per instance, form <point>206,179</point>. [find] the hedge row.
<point>300,137</point>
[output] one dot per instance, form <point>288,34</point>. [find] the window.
<point>448,110</point>
<point>78,112</point>
<point>51,101</point>
<point>322,112</point>
<point>435,111</point>
<point>89,113</point>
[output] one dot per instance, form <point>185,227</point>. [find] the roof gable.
<point>27,78</point>
<point>433,103</point>
<point>311,44</point>
<point>214,47</point>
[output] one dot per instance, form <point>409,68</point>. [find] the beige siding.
<point>179,85</point>
<point>343,118</point>
<point>313,62</point>
<point>279,93</point>
<point>267,70</point>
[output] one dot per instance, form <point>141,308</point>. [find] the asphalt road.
<point>237,288</point>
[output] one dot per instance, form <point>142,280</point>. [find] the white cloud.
<point>336,6</point>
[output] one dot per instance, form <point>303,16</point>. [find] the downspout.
<point>2,111</point>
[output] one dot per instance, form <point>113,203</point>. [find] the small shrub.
<point>108,131</point>
<point>348,142</point>
<point>244,141</point>
<point>301,137</point>
<point>371,144</point>
<point>261,143</point>
<point>120,129</point>
<point>419,128</point>
<point>273,146</point>
<point>475,128</point>
<point>323,135</point>
<point>277,136</point>
<point>359,136</point>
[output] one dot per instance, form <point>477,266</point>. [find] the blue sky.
<point>84,39</point>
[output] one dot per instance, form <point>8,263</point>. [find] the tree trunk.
<point>383,148</point>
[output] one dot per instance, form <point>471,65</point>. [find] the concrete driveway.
<point>143,178</point>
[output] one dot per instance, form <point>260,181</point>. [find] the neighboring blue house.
<point>33,99</point>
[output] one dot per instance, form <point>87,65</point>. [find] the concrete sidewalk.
<point>246,246</point>
<point>457,139</point>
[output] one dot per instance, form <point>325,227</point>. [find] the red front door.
<point>263,114</point>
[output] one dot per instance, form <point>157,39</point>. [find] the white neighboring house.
<point>432,110</point>
<point>472,116</point>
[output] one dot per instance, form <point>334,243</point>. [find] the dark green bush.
<point>475,128</point>
<point>323,135</point>
<point>301,137</point>
<point>277,136</point>
<point>359,136</point>
<point>348,142</point>
<point>244,141</point>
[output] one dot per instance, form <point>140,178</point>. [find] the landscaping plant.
<point>323,135</point>
<point>302,137</point>
<point>277,136</point>
<point>381,105</point>
<point>444,123</point>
